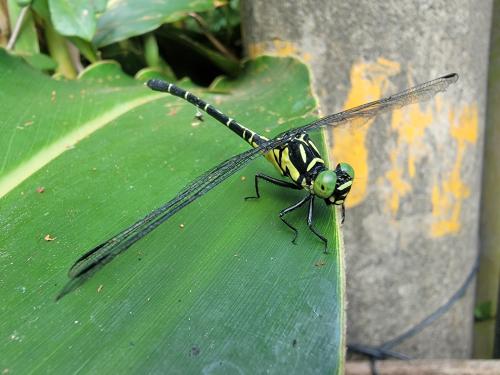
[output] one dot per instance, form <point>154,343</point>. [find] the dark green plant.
<point>66,36</point>
<point>217,288</point>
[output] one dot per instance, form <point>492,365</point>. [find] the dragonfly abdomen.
<point>251,137</point>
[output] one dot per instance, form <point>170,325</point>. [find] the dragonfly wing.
<point>361,114</point>
<point>419,93</point>
<point>96,258</point>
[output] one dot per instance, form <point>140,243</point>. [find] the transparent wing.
<point>102,254</point>
<point>416,94</point>
<point>97,257</point>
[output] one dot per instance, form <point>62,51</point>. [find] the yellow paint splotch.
<point>277,47</point>
<point>448,195</point>
<point>369,81</point>
<point>410,124</point>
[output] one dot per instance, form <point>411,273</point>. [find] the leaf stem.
<point>59,51</point>
<point>211,37</point>
<point>17,28</point>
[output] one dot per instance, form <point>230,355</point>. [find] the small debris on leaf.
<point>48,237</point>
<point>194,351</point>
<point>199,116</point>
<point>40,189</point>
<point>99,288</point>
<point>181,226</point>
<point>320,263</point>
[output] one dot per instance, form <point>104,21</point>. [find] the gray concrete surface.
<point>411,233</point>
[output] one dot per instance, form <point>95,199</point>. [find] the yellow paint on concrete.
<point>400,186</point>
<point>410,124</point>
<point>369,81</point>
<point>277,47</point>
<point>307,57</point>
<point>448,195</point>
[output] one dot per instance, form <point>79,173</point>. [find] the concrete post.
<point>411,230</point>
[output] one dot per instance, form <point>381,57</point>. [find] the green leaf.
<point>124,19</point>
<point>23,3</point>
<point>220,20</point>
<point>74,18</point>
<point>148,73</point>
<point>225,291</point>
<point>41,7</point>
<point>154,60</point>
<point>86,48</point>
<point>100,5</point>
<point>27,40</point>
<point>484,311</point>
<point>40,61</point>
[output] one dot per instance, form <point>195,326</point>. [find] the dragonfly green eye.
<point>347,168</point>
<point>324,184</point>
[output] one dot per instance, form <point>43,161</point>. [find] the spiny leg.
<point>272,180</point>
<point>310,225</point>
<point>343,213</point>
<point>290,209</point>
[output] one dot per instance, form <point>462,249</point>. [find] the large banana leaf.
<point>127,18</point>
<point>219,288</point>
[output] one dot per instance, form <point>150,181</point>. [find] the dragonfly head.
<point>334,185</point>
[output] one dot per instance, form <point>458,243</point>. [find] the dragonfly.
<point>292,152</point>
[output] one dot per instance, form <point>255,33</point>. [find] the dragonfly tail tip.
<point>451,76</point>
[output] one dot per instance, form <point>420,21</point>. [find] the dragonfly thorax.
<point>301,161</point>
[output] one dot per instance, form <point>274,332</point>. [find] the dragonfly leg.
<point>343,213</point>
<point>290,209</point>
<point>310,224</point>
<point>272,180</point>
